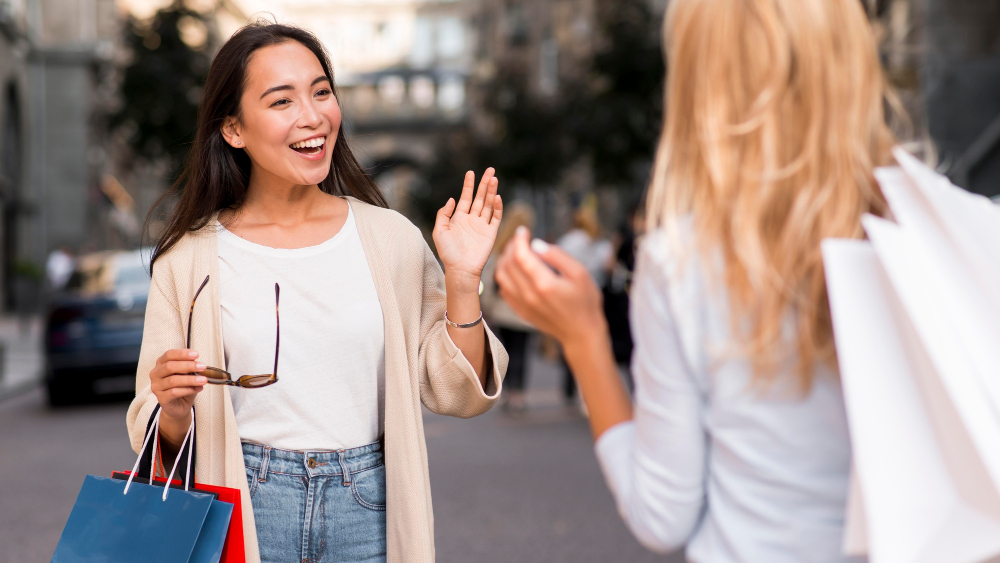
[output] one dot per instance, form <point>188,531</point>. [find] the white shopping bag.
<point>916,316</point>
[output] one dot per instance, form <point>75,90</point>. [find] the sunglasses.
<point>218,376</point>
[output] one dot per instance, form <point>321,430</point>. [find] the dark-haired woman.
<point>325,438</point>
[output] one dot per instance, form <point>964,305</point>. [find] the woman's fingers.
<point>484,187</point>
<point>497,212</point>
<point>176,355</point>
<point>490,200</point>
<point>558,259</point>
<point>184,381</point>
<point>528,261</point>
<point>465,202</point>
<point>444,214</point>
<point>181,392</point>
<point>181,367</point>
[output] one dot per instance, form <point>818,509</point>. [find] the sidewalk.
<point>23,359</point>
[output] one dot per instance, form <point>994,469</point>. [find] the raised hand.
<point>464,232</point>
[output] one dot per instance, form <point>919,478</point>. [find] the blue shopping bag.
<point>115,521</point>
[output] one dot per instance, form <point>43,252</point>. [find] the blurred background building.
<point>98,100</point>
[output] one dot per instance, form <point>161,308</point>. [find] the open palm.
<point>464,232</point>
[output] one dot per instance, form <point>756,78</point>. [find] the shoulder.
<point>186,250</point>
<point>666,248</point>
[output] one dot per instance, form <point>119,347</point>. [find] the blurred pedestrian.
<point>514,331</point>
<point>738,445</point>
<point>586,245</point>
<point>59,267</point>
<point>616,289</point>
<point>370,326</point>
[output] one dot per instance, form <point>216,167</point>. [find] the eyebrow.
<point>290,87</point>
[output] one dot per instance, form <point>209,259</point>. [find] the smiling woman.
<point>370,325</point>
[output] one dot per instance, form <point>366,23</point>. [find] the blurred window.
<point>392,89</point>
<point>422,91</point>
<point>422,51</point>
<point>450,38</point>
<point>451,94</point>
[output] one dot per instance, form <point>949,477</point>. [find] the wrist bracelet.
<point>466,325</point>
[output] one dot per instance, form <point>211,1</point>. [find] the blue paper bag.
<point>110,526</point>
<point>116,521</point>
<point>212,540</point>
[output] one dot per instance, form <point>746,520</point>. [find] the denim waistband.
<point>266,459</point>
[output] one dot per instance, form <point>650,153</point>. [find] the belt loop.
<point>266,457</point>
<point>342,458</point>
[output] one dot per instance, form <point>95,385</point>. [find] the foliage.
<point>161,87</point>
<point>27,269</point>
<point>610,117</point>
<point>617,120</point>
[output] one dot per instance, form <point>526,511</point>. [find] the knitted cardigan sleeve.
<point>162,331</point>
<point>448,383</point>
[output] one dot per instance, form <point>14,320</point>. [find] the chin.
<point>310,177</point>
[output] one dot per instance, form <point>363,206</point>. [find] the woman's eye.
<point>323,92</point>
<point>281,102</point>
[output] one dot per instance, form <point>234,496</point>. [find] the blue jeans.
<point>318,507</point>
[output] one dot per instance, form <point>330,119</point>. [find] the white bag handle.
<point>154,432</point>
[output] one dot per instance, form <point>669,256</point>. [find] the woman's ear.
<point>231,132</point>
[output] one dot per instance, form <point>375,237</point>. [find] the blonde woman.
<point>513,330</point>
<point>737,446</point>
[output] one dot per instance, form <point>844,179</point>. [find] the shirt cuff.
<point>614,451</point>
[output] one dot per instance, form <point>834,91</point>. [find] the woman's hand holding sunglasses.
<point>176,383</point>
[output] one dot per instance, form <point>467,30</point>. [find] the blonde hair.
<point>518,215</point>
<point>586,220</point>
<point>775,119</point>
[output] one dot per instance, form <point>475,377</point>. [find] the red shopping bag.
<point>151,463</point>
<point>234,550</point>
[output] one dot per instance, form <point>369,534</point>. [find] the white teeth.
<point>311,143</point>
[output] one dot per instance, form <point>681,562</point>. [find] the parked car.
<point>94,327</point>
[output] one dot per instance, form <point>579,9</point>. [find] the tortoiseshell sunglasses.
<point>218,376</point>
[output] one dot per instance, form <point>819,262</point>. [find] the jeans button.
<point>312,463</point>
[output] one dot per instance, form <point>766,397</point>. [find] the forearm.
<point>590,357</point>
<point>172,432</point>
<point>463,307</point>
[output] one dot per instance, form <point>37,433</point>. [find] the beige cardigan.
<point>421,364</point>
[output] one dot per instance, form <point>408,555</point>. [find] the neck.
<point>274,200</point>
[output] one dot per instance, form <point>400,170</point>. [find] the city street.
<point>505,489</point>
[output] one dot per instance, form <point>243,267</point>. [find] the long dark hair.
<point>216,175</point>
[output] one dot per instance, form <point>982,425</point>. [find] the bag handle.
<point>148,462</point>
<point>154,433</point>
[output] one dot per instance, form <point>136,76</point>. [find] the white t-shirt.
<point>331,364</point>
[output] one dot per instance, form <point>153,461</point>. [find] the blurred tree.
<point>161,86</point>
<point>616,118</point>
<point>529,144</point>
<point>610,117</point>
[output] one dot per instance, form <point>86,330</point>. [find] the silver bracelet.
<point>466,325</point>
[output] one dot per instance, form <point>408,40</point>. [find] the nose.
<point>310,117</point>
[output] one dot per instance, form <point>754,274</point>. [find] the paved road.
<point>505,490</point>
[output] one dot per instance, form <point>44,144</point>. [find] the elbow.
<point>664,530</point>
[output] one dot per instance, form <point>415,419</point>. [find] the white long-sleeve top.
<point>737,472</point>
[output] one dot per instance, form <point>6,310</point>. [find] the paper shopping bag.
<point>232,548</point>
<point>110,526</point>
<point>116,521</point>
<point>917,471</point>
<point>916,316</point>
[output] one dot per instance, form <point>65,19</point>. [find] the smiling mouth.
<point>311,146</point>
